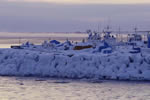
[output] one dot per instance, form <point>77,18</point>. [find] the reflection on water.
<point>6,45</point>
<point>20,88</point>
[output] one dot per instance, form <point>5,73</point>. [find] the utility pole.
<point>19,40</point>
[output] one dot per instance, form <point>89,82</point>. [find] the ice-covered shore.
<point>117,65</point>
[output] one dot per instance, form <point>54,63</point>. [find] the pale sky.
<point>73,15</point>
<point>87,1</point>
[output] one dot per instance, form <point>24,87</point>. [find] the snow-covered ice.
<point>70,64</point>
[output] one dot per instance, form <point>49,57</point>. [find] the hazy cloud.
<point>49,17</point>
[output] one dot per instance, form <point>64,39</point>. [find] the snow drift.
<point>117,65</point>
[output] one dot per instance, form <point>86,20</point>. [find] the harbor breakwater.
<point>118,66</point>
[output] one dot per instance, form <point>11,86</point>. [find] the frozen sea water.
<point>25,88</point>
<point>8,39</point>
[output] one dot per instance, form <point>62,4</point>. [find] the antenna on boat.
<point>135,29</point>
<point>119,32</point>
<point>98,27</point>
<point>108,27</point>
